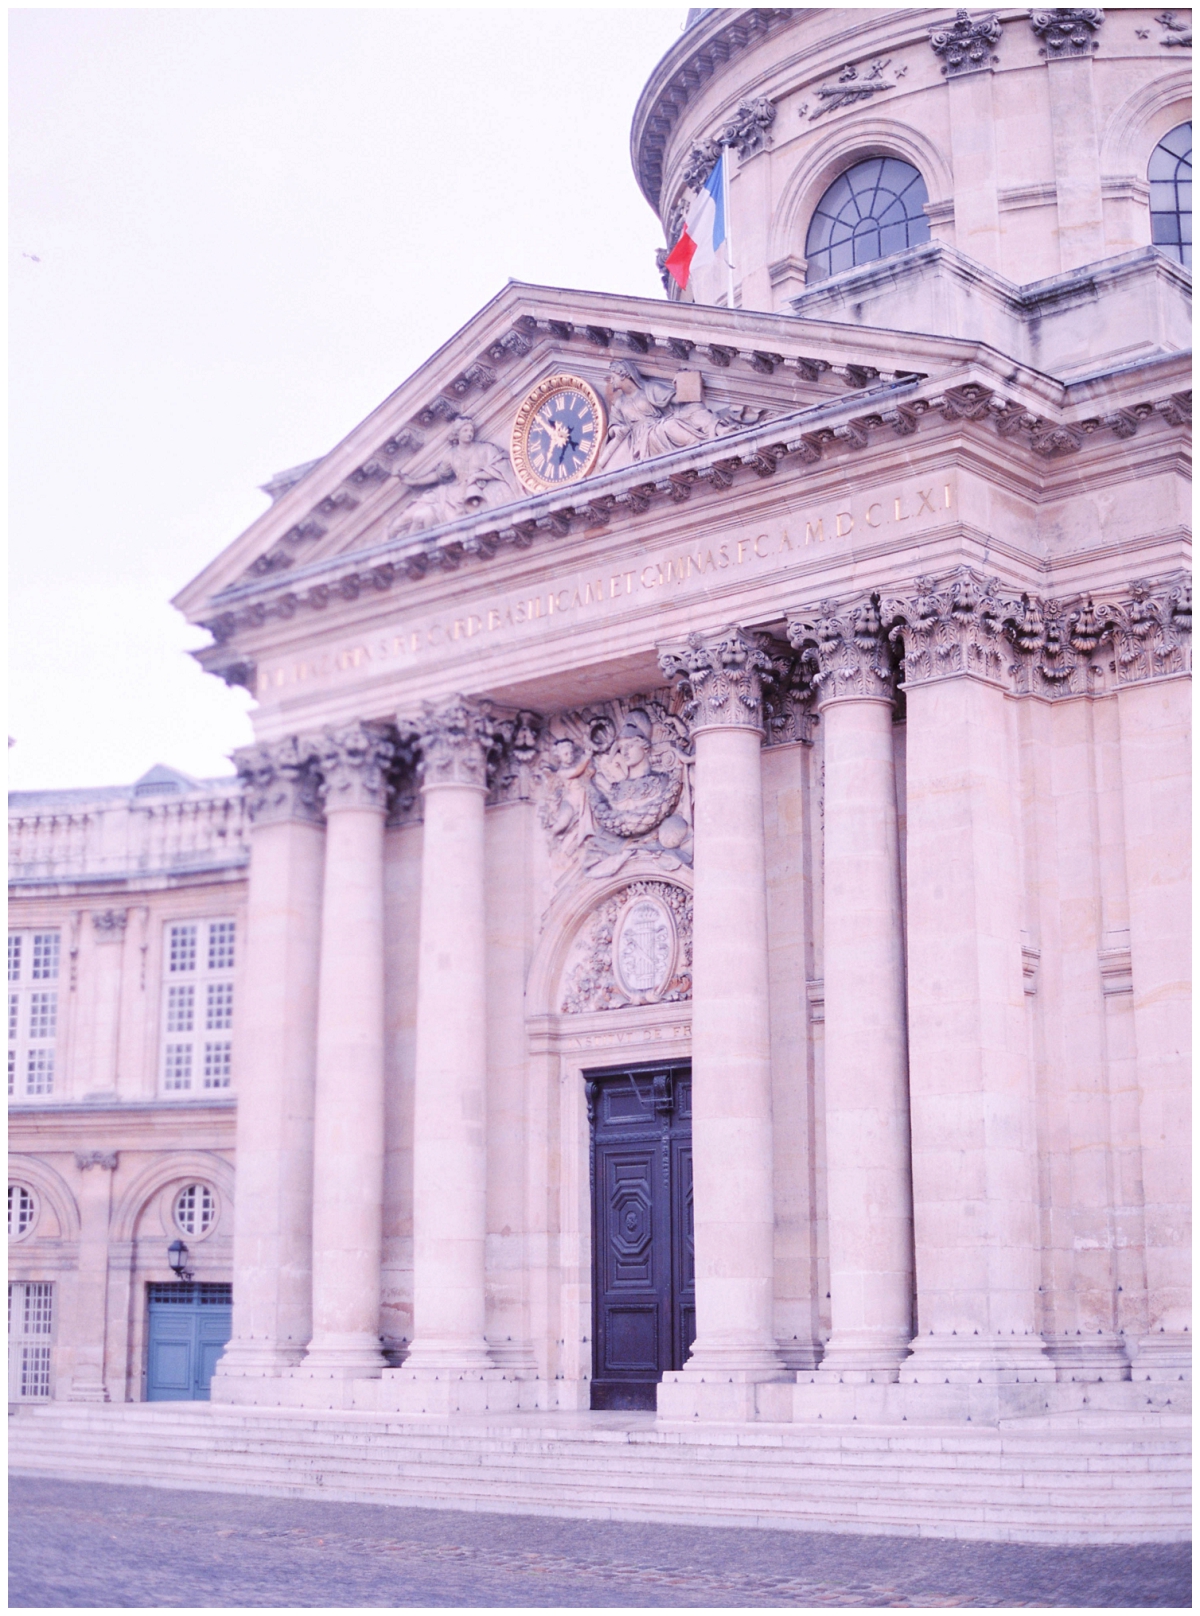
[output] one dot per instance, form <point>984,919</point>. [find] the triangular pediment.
<point>667,373</point>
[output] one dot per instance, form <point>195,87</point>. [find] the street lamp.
<point>177,1256</point>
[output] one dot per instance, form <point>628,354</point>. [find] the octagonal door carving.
<point>643,1266</point>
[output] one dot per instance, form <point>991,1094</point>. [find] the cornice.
<point>690,63</point>
<point>826,431</point>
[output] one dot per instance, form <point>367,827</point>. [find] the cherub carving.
<point>472,476</point>
<point>645,419</point>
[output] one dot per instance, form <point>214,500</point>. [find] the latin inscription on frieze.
<point>789,539</point>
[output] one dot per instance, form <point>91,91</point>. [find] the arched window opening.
<point>1170,176</point>
<point>871,211</point>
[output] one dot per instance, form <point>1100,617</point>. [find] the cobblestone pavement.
<point>89,1545</point>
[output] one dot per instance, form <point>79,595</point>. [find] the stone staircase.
<point>1117,1480</point>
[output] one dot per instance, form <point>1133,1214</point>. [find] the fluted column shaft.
<point>867,1146</point>
<point>449,1132</point>
<point>275,1052</point>
<point>733,1163</point>
<point>349,1113</point>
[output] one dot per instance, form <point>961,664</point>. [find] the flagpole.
<point>728,220</point>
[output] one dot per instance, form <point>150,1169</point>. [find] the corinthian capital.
<point>457,740</point>
<point>955,627</point>
<point>723,678</point>
<point>847,650</point>
<point>279,781</point>
<point>353,762</point>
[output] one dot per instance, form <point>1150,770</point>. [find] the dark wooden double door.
<point>643,1262</point>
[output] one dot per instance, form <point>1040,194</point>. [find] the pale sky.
<point>233,233</point>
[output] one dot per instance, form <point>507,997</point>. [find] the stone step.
<point>1081,1484</point>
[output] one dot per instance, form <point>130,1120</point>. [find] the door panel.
<point>641,1144</point>
<point>189,1326</point>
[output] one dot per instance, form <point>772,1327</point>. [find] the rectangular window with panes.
<point>30,1339</point>
<point>197,1007</point>
<point>33,960</point>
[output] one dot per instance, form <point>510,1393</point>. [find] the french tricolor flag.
<point>705,229</point>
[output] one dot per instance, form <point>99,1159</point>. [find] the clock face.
<point>558,433</point>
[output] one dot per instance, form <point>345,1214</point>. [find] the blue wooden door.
<point>189,1326</point>
<point>643,1251</point>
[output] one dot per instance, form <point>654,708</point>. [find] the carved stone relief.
<point>634,948</point>
<point>615,785</point>
<point>279,781</point>
<point>1068,30</point>
<point>853,84</point>
<point>648,417</point>
<point>966,45</point>
<point>472,476</point>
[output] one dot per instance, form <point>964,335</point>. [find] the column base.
<point>977,1360</point>
<point>1163,1355</point>
<point>256,1358</point>
<point>1100,1356</point>
<point>863,1358</point>
<point>342,1357</point>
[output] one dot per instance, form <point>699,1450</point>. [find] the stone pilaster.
<point>275,1051</point>
<point>868,1165</point>
<point>456,739</point>
<point>973,1108</point>
<point>347,1227</point>
<point>723,677</point>
<point>108,960</point>
<point>90,1332</point>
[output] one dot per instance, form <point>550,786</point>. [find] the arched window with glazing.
<point>1170,176</point>
<point>875,209</point>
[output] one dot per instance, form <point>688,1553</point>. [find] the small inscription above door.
<point>643,1270</point>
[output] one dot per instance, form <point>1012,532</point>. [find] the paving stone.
<point>78,1544</point>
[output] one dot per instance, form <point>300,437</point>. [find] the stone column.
<point>90,1328</point>
<point>1154,712</point>
<point>868,1163</point>
<point>723,674</point>
<point>449,1130</point>
<point>275,1057</point>
<point>973,1105</point>
<point>348,1123</point>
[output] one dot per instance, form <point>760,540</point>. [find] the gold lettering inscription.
<point>773,546</point>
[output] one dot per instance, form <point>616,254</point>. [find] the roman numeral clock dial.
<point>558,433</point>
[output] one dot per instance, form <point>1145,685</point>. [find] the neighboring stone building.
<point>745,740</point>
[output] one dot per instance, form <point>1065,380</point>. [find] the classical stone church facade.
<point>703,926</point>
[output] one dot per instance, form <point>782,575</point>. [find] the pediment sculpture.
<point>647,417</point>
<point>615,782</point>
<point>472,475</point>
